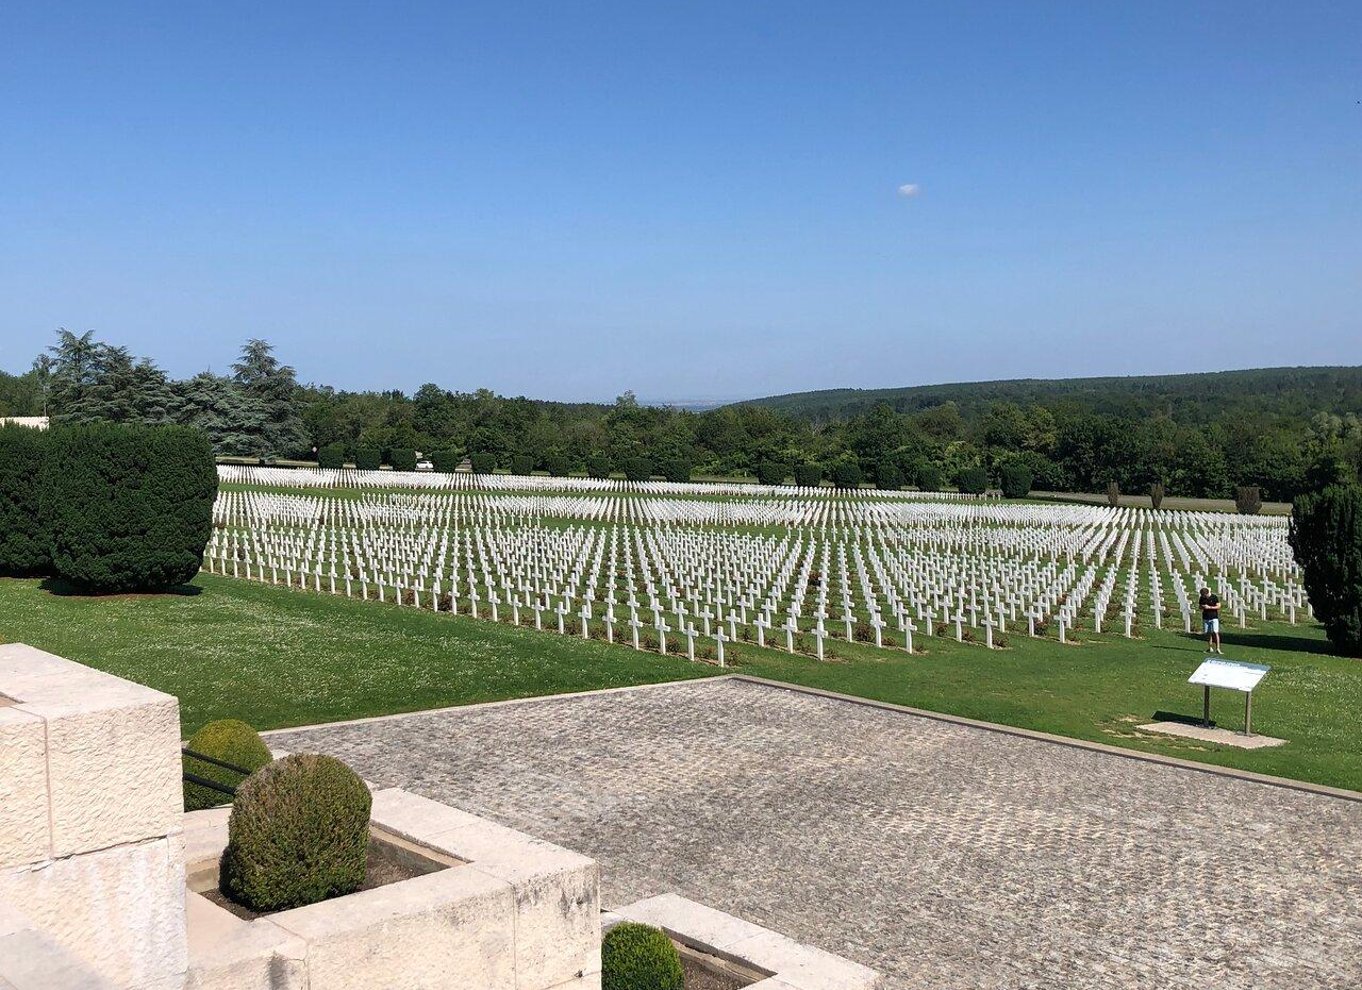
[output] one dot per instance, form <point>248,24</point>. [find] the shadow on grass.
<point>1180,718</point>
<point>65,589</point>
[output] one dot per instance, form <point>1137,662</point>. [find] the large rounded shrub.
<point>808,475</point>
<point>332,456</point>
<point>772,472</point>
<point>483,462</point>
<point>1326,537</point>
<point>230,741</point>
<point>599,466</point>
<point>522,464</point>
<point>402,459</point>
<point>128,508</point>
<point>639,957</point>
<point>1016,480</point>
<point>675,469</point>
<point>972,481</point>
<point>368,459</point>
<point>298,834</point>
<point>637,468</point>
<point>446,461</point>
<point>23,540</point>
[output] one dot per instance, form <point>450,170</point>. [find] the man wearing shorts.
<point>1210,619</point>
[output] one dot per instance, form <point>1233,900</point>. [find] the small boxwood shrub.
<point>23,540</point>
<point>128,508</point>
<point>522,464</point>
<point>808,475</point>
<point>368,458</point>
<point>402,459</point>
<point>332,456</point>
<point>483,462</point>
<point>298,834</point>
<point>231,741</point>
<point>639,957</point>
<point>637,468</point>
<point>446,461</point>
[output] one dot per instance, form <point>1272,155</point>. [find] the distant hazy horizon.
<point>703,203</point>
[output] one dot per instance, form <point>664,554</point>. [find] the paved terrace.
<point>942,854</point>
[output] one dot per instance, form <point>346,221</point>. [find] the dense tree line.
<point>1206,444</point>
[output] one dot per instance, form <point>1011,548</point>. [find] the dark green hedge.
<point>23,541</point>
<point>972,481</point>
<point>599,466</point>
<point>675,469</point>
<point>1326,536</point>
<point>929,477</point>
<point>557,465</point>
<point>446,461</point>
<point>402,459</point>
<point>331,456</point>
<point>128,508</point>
<point>522,464</point>
<point>483,462</point>
<point>637,468</point>
<point>808,475</point>
<point>846,474</point>
<point>298,834</point>
<point>888,476</point>
<point>772,473</point>
<point>368,459</point>
<point>1016,480</point>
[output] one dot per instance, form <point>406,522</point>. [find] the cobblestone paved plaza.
<point>943,855</point>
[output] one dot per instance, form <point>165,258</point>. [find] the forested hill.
<point>1203,397</point>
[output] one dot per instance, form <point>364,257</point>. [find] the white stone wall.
<point>91,850</point>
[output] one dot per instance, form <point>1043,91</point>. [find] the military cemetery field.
<point>297,619</point>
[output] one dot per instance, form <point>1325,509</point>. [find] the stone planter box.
<point>789,965</point>
<point>508,912</point>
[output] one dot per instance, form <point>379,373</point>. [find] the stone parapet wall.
<point>90,816</point>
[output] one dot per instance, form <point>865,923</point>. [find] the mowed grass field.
<point>278,657</point>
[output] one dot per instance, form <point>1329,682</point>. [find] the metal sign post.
<point>1232,675</point>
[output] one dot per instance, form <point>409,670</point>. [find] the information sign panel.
<point>1232,674</point>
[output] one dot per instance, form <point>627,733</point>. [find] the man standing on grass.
<point>1210,619</point>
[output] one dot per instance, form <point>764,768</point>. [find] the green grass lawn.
<point>277,657</point>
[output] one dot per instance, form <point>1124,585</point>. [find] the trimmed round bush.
<point>637,468</point>
<point>675,469</point>
<point>808,475</point>
<point>639,957</point>
<point>231,741</point>
<point>557,465</point>
<point>846,474</point>
<point>599,466</point>
<point>298,834</point>
<point>972,481</point>
<point>522,464</point>
<point>772,473</point>
<point>888,476</point>
<point>446,461</point>
<point>23,540</point>
<point>128,508</point>
<point>368,459</point>
<point>929,478</point>
<point>332,456</point>
<point>483,462</point>
<point>402,459</point>
<point>1016,480</point>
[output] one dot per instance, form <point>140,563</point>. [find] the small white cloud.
<point>909,190</point>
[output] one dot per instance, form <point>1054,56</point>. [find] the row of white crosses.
<point>782,572</point>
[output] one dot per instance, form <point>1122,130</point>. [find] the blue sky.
<point>694,201</point>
